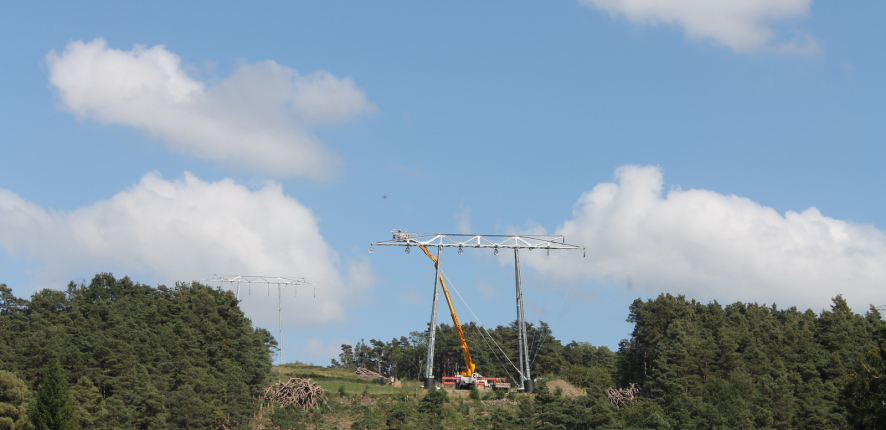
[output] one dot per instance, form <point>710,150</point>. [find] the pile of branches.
<point>622,396</point>
<point>364,372</point>
<point>302,392</point>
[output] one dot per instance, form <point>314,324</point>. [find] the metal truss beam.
<point>447,240</point>
<point>248,279</point>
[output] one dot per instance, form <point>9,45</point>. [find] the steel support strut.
<point>280,317</point>
<point>525,378</point>
<point>432,330</point>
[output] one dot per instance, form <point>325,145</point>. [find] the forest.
<point>698,365</point>
<point>139,357</point>
<point>136,356</point>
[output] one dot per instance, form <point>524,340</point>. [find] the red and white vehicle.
<point>461,382</point>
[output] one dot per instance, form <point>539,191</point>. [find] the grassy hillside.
<point>334,380</point>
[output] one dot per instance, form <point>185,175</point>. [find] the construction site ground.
<point>364,402</point>
<point>333,379</point>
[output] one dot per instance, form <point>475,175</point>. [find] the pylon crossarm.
<point>247,279</point>
<point>546,242</point>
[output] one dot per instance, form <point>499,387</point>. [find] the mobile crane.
<point>469,377</point>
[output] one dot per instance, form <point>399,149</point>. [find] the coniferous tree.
<point>142,357</point>
<point>12,397</point>
<point>865,393</point>
<point>54,407</point>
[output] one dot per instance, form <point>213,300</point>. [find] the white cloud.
<point>711,246</point>
<point>259,119</point>
<point>464,220</point>
<point>742,25</point>
<point>186,230</point>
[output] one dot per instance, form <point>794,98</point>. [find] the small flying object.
<point>384,196</point>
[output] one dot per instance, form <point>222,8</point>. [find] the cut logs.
<point>366,373</point>
<point>621,396</point>
<point>302,392</point>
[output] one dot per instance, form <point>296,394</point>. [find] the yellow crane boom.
<point>469,364</point>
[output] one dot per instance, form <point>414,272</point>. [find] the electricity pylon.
<point>268,280</point>
<point>496,242</point>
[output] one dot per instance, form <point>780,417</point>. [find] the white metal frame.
<point>496,242</point>
<point>281,282</point>
<point>456,240</point>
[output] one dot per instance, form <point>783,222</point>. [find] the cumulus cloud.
<point>742,25</point>
<point>259,119</point>
<point>184,230</point>
<point>711,246</point>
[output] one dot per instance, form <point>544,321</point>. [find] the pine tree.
<point>54,408</point>
<point>12,396</point>
<point>866,389</point>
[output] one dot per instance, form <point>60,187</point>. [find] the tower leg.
<point>432,330</point>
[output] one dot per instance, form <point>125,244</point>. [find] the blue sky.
<point>682,145</point>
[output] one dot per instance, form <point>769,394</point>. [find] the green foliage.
<point>13,392</point>
<point>54,408</point>
<point>186,357</point>
<point>745,365</point>
<point>585,355</point>
<point>500,419</point>
<point>370,418</point>
<point>648,415</point>
<point>576,375</point>
<point>432,404</point>
<point>597,379</point>
<point>865,391</point>
<point>141,357</point>
<point>702,366</point>
<point>595,411</point>
<point>553,410</point>
<point>289,416</point>
<point>401,416</point>
<point>475,393</point>
<point>499,394</point>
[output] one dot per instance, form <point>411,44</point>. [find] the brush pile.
<point>622,396</point>
<point>366,373</point>
<point>302,392</point>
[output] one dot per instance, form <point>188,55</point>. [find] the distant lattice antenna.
<point>281,282</point>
